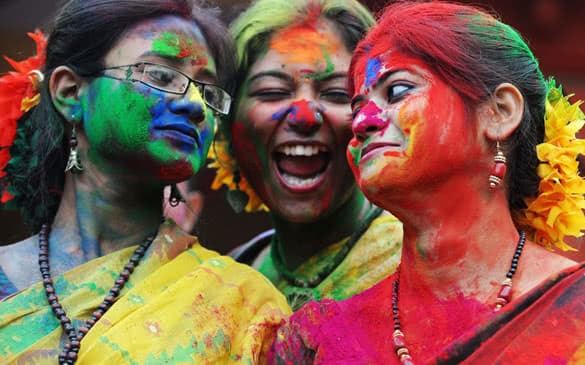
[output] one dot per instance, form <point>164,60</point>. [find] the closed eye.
<point>337,96</point>
<point>271,94</point>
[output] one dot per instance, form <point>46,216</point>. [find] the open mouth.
<point>301,167</point>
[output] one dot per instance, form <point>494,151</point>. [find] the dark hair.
<point>474,52</point>
<point>84,32</point>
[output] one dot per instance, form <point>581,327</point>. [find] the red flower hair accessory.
<point>19,92</point>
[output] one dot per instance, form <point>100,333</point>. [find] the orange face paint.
<point>307,43</point>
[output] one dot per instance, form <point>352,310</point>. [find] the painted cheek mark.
<point>353,155</point>
<point>410,121</point>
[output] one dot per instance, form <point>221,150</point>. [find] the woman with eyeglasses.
<point>123,100</point>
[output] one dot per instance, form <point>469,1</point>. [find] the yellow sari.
<point>183,304</point>
<point>375,256</point>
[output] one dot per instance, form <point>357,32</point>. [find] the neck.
<point>100,214</point>
<point>455,248</point>
<point>300,241</point>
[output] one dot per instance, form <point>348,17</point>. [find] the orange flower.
<point>224,163</point>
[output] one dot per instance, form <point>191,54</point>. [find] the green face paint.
<point>129,124</point>
<point>169,44</point>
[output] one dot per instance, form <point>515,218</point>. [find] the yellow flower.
<point>224,163</point>
<point>557,211</point>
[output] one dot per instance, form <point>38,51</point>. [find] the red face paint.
<point>413,128</point>
<point>293,129</point>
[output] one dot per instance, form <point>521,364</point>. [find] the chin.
<point>175,173</point>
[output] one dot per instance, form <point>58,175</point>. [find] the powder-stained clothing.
<point>544,326</point>
<point>182,304</point>
<point>375,255</point>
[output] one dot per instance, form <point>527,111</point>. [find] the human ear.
<point>65,86</point>
<point>502,112</point>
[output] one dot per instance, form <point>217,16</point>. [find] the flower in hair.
<point>557,211</point>
<point>19,92</point>
<point>226,167</point>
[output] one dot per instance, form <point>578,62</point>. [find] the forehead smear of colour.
<point>306,43</point>
<point>173,45</point>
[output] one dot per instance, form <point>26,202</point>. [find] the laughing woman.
<point>122,102</point>
<point>289,129</point>
<point>445,98</point>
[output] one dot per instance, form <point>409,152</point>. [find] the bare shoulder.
<point>18,259</point>
<point>538,264</point>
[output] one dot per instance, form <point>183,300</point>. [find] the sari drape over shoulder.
<point>544,326</point>
<point>182,304</point>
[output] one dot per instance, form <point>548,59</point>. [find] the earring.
<point>499,168</point>
<point>237,199</point>
<point>175,196</point>
<point>73,163</point>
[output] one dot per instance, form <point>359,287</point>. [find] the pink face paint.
<point>369,118</point>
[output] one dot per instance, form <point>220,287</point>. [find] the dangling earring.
<point>237,199</point>
<point>499,168</point>
<point>175,196</point>
<point>73,163</point>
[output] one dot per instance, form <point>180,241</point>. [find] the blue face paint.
<point>372,68</point>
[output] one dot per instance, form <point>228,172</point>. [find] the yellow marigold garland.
<point>557,211</point>
<point>224,163</point>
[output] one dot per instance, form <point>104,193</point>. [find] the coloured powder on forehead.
<point>170,44</point>
<point>306,43</point>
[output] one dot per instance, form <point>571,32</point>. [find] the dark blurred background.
<point>553,28</point>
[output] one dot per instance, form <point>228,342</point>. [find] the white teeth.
<point>301,150</point>
<point>299,181</point>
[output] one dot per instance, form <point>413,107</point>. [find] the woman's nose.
<point>190,104</point>
<point>368,121</point>
<point>304,116</point>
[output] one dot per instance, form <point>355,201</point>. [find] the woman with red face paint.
<point>288,133</point>
<point>458,134</point>
<point>121,100</point>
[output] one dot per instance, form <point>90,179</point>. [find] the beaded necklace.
<point>303,286</point>
<point>398,338</point>
<point>71,349</point>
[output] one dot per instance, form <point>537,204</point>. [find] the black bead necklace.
<point>399,342</point>
<point>71,349</point>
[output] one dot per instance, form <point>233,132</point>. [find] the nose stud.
<point>304,116</point>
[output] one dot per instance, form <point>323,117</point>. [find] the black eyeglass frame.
<point>201,85</point>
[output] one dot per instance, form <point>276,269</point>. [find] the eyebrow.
<point>333,76</point>
<point>272,73</point>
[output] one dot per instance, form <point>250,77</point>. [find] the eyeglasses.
<point>173,81</point>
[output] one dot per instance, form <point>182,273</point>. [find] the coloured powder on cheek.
<point>126,119</point>
<point>410,117</point>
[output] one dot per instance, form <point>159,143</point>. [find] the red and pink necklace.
<point>504,296</point>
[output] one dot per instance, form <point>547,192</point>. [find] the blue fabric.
<point>6,286</point>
